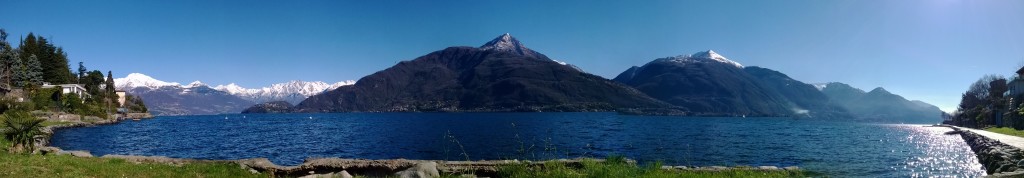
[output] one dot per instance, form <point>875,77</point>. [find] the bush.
<point>21,128</point>
<point>42,99</point>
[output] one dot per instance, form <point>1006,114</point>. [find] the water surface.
<point>842,149</point>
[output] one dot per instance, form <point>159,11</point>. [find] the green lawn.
<point>1007,131</point>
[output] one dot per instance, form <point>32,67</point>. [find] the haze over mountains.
<point>197,98</point>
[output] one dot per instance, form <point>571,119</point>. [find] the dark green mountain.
<point>502,75</point>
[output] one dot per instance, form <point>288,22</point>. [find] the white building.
<point>70,88</point>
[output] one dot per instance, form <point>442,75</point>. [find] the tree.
<point>19,74</point>
<point>52,59</point>
<point>110,90</point>
<point>982,99</point>
<point>21,128</point>
<point>33,72</point>
<point>81,71</point>
<point>8,56</point>
<point>92,81</point>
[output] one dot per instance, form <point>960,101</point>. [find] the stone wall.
<point>997,158</point>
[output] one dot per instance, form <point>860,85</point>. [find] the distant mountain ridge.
<point>292,91</point>
<point>880,105</point>
<point>197,98</point>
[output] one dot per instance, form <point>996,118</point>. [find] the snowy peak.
<point>710,54</point>
<point>503,43</point>
<point>194,84</point>
<point>506,43</point>
<point>703,56</point>
<point>136,80</point>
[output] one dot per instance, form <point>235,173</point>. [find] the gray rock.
<point>84,154</point>
<point>49,150</point>
<point>772,168</point>
<point>423,169</point>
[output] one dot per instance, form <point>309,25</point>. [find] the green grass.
<point>618,167</point>
<point>1007,131</point>
<point>26,165</point>
<point>52,123</point>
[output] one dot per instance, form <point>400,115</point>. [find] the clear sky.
<point>929,50</point>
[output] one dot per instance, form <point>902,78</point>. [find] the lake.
<point>844,149</point>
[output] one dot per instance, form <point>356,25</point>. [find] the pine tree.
<point>18,69</point>
<point>81,71</point>
<point>110,84</point>
<point>33,71</point>
<point>7,57</point>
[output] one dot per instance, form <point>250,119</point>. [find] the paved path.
<point>1011,140</point>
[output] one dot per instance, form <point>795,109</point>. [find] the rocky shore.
<point>998,159</point>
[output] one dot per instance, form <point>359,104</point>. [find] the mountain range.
<point>501,75</point>
<point>197,98</point>
<point>879,105</point>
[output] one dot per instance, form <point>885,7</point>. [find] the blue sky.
<point>929,50</point>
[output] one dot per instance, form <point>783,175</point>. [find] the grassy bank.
<point>25,165</point>
<point>618,167</point>
<point>1006,130</point>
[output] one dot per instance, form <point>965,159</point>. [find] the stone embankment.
<point>998,159</point>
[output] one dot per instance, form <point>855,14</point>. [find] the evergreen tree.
<point>52,59</point>
<point>110,85</point>
<point>7,57</point>
<point>18,72</point>
<point>81,71</point>
<point>33,72</point>
<point>92,82</point>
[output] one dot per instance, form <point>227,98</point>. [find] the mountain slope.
<point>501,75</point>
<point>880,105</point>
<point>706,83</point>
<point>808,100</point>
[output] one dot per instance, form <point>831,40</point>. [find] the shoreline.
<point>997,158</point>
<point>343,166</point>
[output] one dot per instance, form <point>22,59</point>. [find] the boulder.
<point>84,154</point>
<point>423,169</point>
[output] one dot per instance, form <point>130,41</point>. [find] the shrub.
<point>21,128</point>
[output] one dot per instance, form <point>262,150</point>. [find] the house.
<point>1016,85</point>
<point>121,96</point>
<point>70,88</point>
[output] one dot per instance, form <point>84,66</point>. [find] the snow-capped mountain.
<point>293,91</point>
<point>196,98</point>
<point>137,80</point>
<point>703,56</point>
